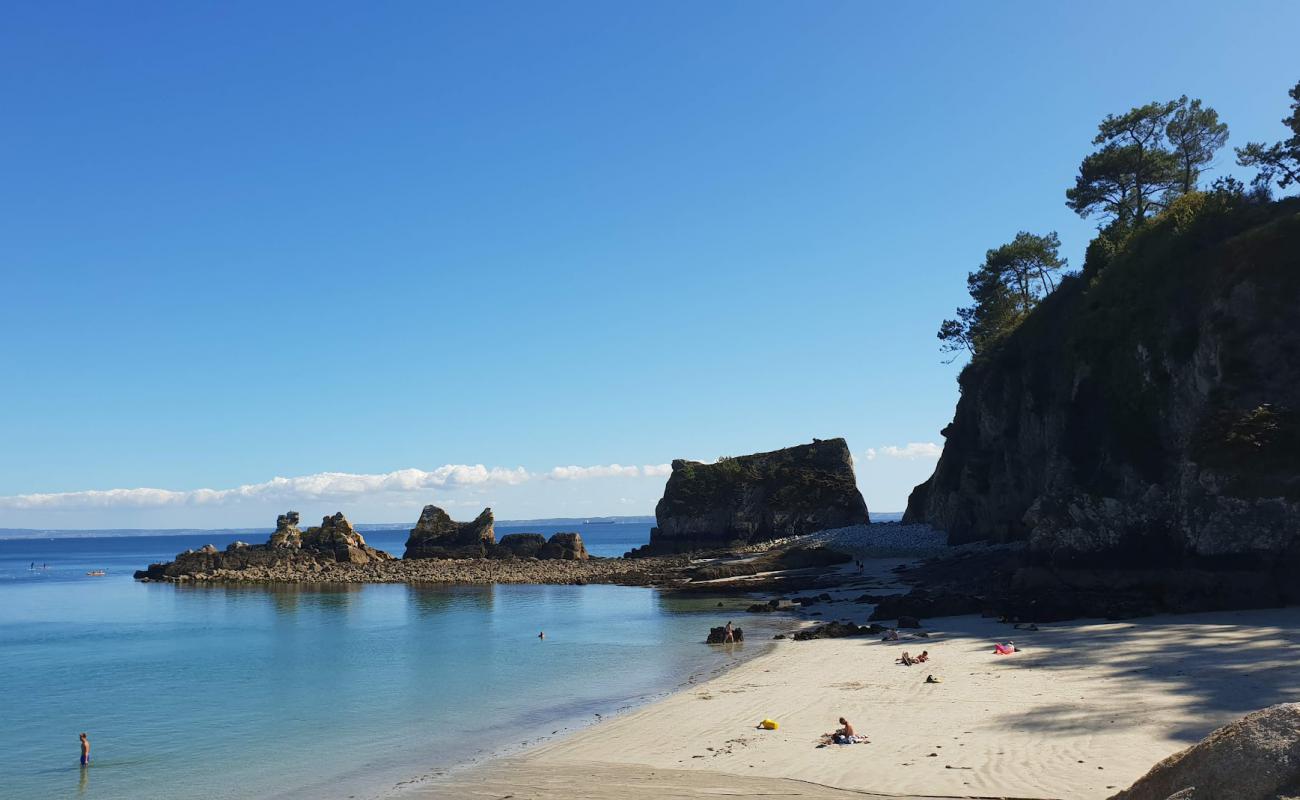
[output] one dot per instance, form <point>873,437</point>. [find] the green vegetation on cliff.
<point>1147,409</point>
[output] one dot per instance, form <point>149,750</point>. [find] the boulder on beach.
<point>756,498</point>
<point>837,630</point>
<point>1255,758</point>
<point>437,535</point>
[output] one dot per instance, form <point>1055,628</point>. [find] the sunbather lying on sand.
<point>905,659</point>
<point>1005,649</point>
<point>924,657</point>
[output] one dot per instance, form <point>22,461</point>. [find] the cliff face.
<point>1147,417</point>
<point>757,497</point>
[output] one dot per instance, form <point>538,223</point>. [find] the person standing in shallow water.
<point>85,750</point>
<point>730,635</point>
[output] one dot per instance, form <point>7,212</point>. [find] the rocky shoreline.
<point>438,551</point>
<point>645,572</point>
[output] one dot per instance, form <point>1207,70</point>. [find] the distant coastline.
<point>68,533</point>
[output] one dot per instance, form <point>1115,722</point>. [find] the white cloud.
<point>911,451</point>
<point>323,485</point>
<point>598,471</point>
<point>657,470</point>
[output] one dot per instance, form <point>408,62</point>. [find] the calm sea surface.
<point>308,692</point>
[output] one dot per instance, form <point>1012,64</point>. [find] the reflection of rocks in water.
<point>432,601</point>
<point>285,597</point>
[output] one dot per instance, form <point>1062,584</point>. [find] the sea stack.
<point>286,531</point>
<point>437,535</point>
<point>754,498</point>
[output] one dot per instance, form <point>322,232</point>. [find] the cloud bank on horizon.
<point>910,451</point>
<point>323,485</point>
<point>451,484</point>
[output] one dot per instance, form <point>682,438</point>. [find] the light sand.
<point>1081,712</point>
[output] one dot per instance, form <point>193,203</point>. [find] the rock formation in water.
<point>286,531</point>
<point>1255,758</point>
<point>521,545</point>
<point>436,535</point>
<point>564,546</point>
<point>1140,430</point>
<point>754,498</point>
<point>287,549</point>
<point>335,536</point>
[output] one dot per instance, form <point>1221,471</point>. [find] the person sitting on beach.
<point>906,659</point>
<point>924,657</point>
<point>844,735</point>
<point>891,635</point>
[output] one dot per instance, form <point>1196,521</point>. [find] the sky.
<point>364,257</point>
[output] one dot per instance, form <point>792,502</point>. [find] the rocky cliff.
<point>1144,418</point>
<point>755,498</point>
<point>334,541</point>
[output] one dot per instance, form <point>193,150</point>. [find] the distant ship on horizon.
<point>606,521</point>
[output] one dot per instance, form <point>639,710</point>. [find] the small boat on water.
<point>97,573</point>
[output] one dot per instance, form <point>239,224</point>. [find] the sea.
<point>314,691</point>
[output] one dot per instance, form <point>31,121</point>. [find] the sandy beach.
<point>1083,710</point>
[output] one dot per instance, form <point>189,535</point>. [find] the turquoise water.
<point>225,692</point>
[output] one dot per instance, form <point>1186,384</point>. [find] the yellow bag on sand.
<point>768,725</point>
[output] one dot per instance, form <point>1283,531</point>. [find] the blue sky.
<point>245,240</point>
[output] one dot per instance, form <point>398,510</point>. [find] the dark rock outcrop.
<point>436,535</point>
<point>837,630</point>
<point>1140,430</point>
<point>521,545</point>
<point>1255,758</point>
<point>924,603</point>
<point>755,498</point>
<point>719,635</point>
<point>566,546</point>
<point>562,546</point>
<point>334,541</point>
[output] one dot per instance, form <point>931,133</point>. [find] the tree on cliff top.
<point>1005,288</point>
<point>1149,155</point>
<point>1281,160</point>
<point>1195,134</point>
